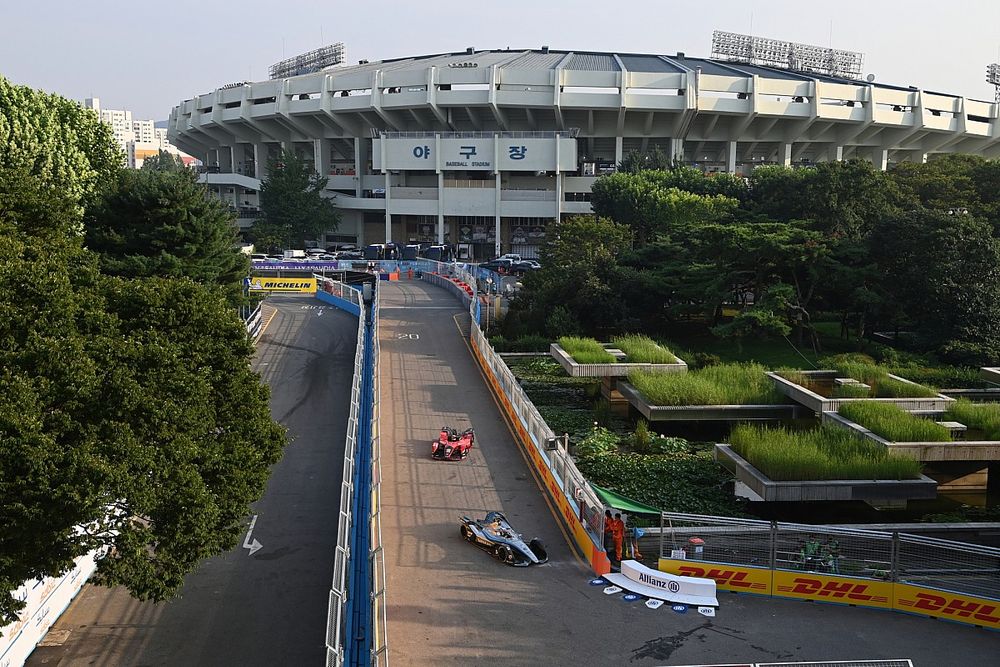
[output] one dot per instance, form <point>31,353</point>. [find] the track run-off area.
<point>448,603</point>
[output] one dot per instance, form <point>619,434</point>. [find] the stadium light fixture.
<point>309,62</point>
<point>786,55</point>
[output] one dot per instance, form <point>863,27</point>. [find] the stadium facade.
<point>484,148</point>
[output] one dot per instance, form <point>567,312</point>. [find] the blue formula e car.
<point>495,535</point>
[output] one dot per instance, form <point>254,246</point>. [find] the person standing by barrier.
<point>618,534</point>
<point>609,539</point>
<point>830,553</point>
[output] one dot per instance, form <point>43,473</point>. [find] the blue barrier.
<point>358,639</point>
<point>337,302</point>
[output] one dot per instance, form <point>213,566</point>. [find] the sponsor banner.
<point>833,588</point>
<point>952,606</point>
<point>261,284</point>
<point>727,577</point>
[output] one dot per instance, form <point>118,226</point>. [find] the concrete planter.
<point>660,413</point>
<point>959,450</point>
<point>819,404</point>
<point>991,374</point>
<point>758,487</point>
<point>609,370</point>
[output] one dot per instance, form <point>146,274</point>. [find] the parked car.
<point>527,265</point>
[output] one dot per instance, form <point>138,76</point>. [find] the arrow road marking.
<point>254,546</point>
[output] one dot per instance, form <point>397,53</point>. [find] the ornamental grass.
<point>586,350</point>
<point>882,385</point>
<point>643,350</point>
<point>983,417</point>
<point>893,423</point>
<point>724,384</point>
<point>825,453</point>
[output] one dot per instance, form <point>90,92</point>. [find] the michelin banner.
<point>259,284</point>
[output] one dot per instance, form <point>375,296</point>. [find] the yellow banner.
<point>727,577</point>
<point>833,588</point>
<point>953,606</point>
<point>258,284</point>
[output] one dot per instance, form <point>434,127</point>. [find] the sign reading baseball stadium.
<point>496,153</point>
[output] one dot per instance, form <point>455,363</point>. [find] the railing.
<point>527,134</point>
<point>889,570</point>
<point>380,644</point>
<point>336,608</point>
<point>252,318</point>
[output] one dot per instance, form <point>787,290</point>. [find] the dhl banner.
<point>833,588</point>
<point>259,284</point>
<point>727,577</point>
<point>952,606</point>
<point>597,558</point>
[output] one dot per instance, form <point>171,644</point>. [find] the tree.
<point>164,161</point>
<point>292,201</point>
<point>56,141</point>
<point>637,161</point>
<point>162,223</point>
<point>943,274</point>
<point>130,421</point>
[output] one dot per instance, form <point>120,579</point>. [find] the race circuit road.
<point>237,609</point>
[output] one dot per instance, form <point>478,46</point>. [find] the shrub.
<point>705,359</point>
<point>819,454</point>
<point>667,445</point>
<point>599,442</point>
<point>984,417</point>
<point>642,438</point>
<point>679,483</point>
<point>585,350</point>
<point>894,423</point>
<point>643,350</point>
<point>724,384</point>
<point>523,344</point>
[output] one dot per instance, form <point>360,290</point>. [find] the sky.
<point>149,56</point>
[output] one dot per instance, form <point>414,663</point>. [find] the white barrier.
<point>46,600</point>
<point>638,578</point>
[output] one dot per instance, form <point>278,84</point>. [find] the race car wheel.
<point>503,553</point>
<point>468,534</point>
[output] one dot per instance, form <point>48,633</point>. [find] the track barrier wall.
<point>885,570</point>
<point>576,502</point>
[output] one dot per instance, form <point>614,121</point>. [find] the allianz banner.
<point>260,284</point>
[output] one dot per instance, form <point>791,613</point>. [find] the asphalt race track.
<point>451,604</point>
<point>237,609</point>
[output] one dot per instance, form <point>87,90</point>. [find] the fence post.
<point>773,547</point>
<point>662,532</point>
<point>894,559</point>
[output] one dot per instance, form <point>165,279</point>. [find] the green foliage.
<point>163,161</point>
<point>55,140</point>
<point>160,222</point>
<point>724,384</point>
<point>585,350</point>
<point>674,483</point>
<point>964,514</point>
<point>825,453</point>
<point>851,391</point>
<point>704,359</point>
<point>292,201</point>
<point>598,442</point>
<point>643,349</point>
<point>636,161</point>
<point>882,385</point>
<point>531,343</point>
<point>642,438</point>
<point>893,423</point>
<point>983,417</point>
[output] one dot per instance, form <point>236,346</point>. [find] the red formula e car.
<point>453,445</point>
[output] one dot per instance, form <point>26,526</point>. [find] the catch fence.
<point>890,570</point>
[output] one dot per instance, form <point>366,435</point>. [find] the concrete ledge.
<point>659,413</point>
<point>991,374</point>
<point>956,450</point>
<point>818,403</point>
<point>873,491</point>
<point>638,578</point>
<point>611,369</point>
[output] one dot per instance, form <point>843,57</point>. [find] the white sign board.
<point>496,153</point>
